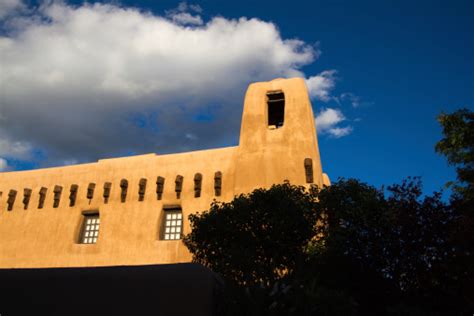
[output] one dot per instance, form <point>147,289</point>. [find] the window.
<point>217,183</point>
<point>172,224</point>
<point>308,169</point>
<point>276,109</point>
<point>90,229</point>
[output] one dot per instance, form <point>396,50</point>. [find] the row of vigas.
<point>124,188</point>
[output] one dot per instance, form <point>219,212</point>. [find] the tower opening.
<point>276,109</point>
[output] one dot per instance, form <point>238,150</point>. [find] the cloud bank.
<point>84,82</point>
<point>3,164</point>
<point>327,122</point>
<point>8,7</point>
<point>320,86</point>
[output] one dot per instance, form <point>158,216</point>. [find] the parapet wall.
<point>42,211</point>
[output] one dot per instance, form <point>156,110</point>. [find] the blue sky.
<point>390,67</point>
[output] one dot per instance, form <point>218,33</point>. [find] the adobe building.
<point>133,211</point>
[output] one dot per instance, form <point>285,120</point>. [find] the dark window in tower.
<point>276,109</point>
<point>218,183</point>
<point>308,170</point>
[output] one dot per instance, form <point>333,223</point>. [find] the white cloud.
<point>352,98</point>
<point>184,18</point>
<point>327,118</point>
<point>14,149</point>
<point>320,86</point>
<point>99,80</point>
<point>190,136</point>
<point>3,164</point>
<point>195,7</point>
<point>8,7</point>
<point>181,14</point>
<point>338,132</point>
<point>184,6</point>
<point>327,121</point>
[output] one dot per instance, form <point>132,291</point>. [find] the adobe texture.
<point>131,223</point>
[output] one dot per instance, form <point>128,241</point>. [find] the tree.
<point>392,250</point>
<point>257,238</point>
<point>259,243</point>
<point>458,147</point>
<point>348,248</point>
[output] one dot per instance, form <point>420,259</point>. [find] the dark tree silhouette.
<point>400,242</point>
<point>349,248</point>
<point>345,249</point>
<point>256,239</point>
<point>457,146</point>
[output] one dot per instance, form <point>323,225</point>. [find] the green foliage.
<point>256,239</point>
<point>458,147</point>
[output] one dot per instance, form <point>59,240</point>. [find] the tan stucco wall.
<point>129,232</point>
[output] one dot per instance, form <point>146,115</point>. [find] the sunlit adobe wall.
<point>42,212</point>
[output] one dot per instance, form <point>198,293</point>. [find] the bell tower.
<point>278,137</point>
